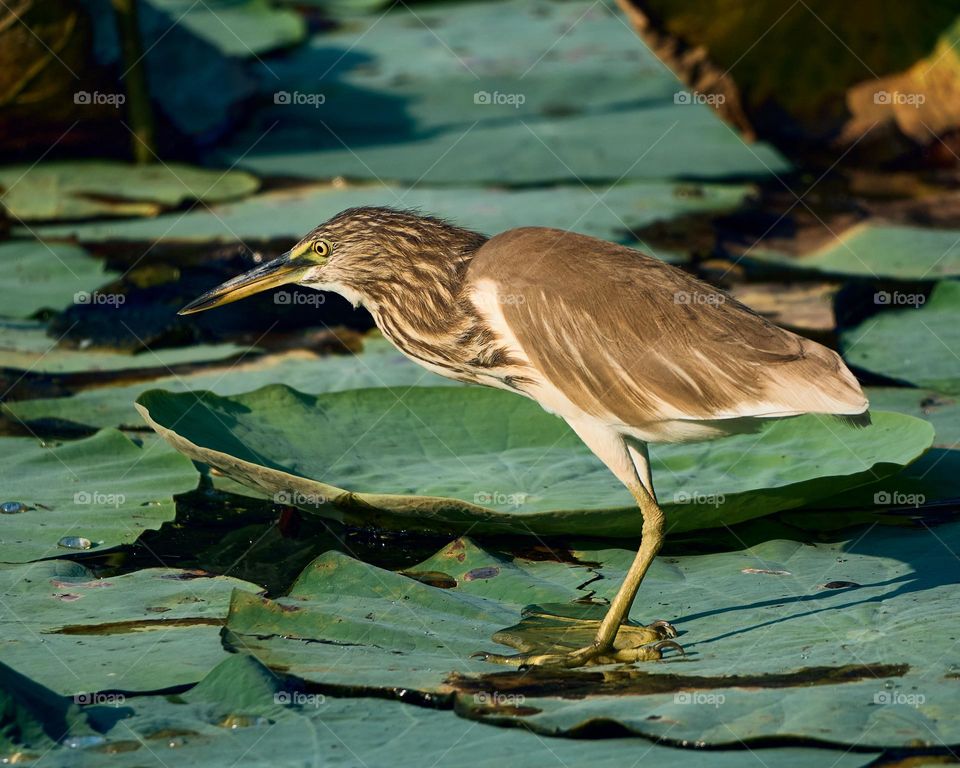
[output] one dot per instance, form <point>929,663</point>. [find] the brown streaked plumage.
<point>627,349</point>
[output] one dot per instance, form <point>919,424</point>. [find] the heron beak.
<point>281,271</point>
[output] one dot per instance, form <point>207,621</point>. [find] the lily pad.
<point>943,411</point>
<point>82,188</point>
<point>143,631</point>
<point>849,643</point>
<point>918,345</point>
<point>470,458</point>
<point>287,214</point>
<point>90,494</point>
<point>888,251</point>
<point>35,276</point>
<point>25,346</point>
<point>34,718</point>
<point>494,95</point>
<point>243,711</point>
<point>379,365</point>
<point>243,28</point>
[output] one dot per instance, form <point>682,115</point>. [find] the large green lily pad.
<point>878,250</point>
<point>941,410</point>
<point>288,214</point>
<point>379,365</point>
<point>242,714</point>
<point>495,94</point>
<point>83,188</point>
<point>918,344</point>
<point>103,489</point>
<point>848,643</point>
<point>26,346</point>
<point>466,458</point>
<point>242,29</point>
<point>35,276</point>
<point>930,479</point>
<point>142,631</point>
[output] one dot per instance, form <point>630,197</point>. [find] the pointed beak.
<point>281,271</point>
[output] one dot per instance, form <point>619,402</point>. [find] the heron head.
<point>356,253</point>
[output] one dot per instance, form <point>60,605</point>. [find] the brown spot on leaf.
<point>487,572</point>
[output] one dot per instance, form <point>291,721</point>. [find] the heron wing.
<point>626,336</point>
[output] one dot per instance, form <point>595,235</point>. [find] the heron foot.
<point>549,639</point>
<point>591,655</point>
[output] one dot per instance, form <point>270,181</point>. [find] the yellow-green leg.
<point>604,648</point>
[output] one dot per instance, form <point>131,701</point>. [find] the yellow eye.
<point>321,248</point>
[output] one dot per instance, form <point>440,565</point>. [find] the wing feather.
<point>624,335</point>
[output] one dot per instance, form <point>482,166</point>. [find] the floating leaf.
<point>102,488</point>
<point>243,28</point>
<point>917,344</point>
<point>380,365</point>
<point>517,104</point>
<point>459,458</point>
<point>34,719</point>
<point>77,633</point>
<point>26,346</point>
<point>940,410</point>
<point>242,710</point>
<point>288,214</point>
<point>844,639</point>
<point>83,188</point>
<point>878,251</point>
<point>35,276</point>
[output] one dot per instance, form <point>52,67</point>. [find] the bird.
<point>624,347</point>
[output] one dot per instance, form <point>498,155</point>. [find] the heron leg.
<point>604,648</point>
